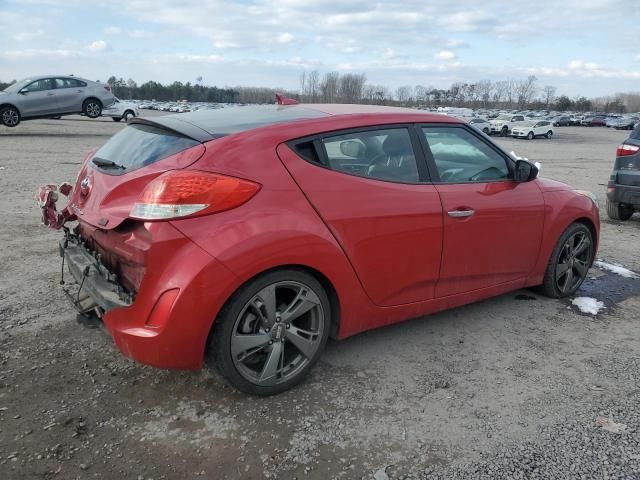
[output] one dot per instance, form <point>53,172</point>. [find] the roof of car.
<point>205,125</point>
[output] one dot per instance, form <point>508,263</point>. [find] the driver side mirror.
<point>525,171</point>
<point>351,148</point>
<point>23,91</point>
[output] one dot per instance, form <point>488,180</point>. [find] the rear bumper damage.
<point>166,322</point>
<point>94,288</point>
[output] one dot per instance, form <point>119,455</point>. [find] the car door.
<point>492,224</point>
<point>38,98</point>
<point>371,189</point>
<point>69,93</point>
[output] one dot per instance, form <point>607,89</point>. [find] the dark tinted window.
<point>140,145</point>
<point>462,157</point>
<point>381,154</point>
<point>69,83</point>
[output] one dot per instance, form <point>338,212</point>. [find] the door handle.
<point>461,213</point>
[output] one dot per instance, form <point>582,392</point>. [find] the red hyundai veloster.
<point>250,235</point>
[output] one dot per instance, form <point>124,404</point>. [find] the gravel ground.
<point>519,386</point>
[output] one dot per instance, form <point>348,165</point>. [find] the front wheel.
<point>271,332</point>
<point>92,108</point>
<point>615,211</point>
<point>504,132</point>
<point>530,136</point>
<point>486,131</point>
<point>570,262</point>
<point>10,116</point>
<point>127,115</point>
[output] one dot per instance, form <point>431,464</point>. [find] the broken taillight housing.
<point>191,193</point>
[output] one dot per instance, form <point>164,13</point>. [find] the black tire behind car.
<point>10,116</point>
<point>615,211</point>
<point>566,255</point>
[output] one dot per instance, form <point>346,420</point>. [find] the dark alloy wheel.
<point>570,262</point>
<point>615,211</point>
<point>92,108</point>
<point>272,332</point>
<point>549,134</point>
<point>10,116</point>
<point>504,132</point>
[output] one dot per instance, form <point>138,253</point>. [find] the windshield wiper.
<point>106,163</point>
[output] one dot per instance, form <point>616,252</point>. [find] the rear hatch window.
<point>138,146</point>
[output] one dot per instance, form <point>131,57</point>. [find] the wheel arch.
<point>587,222</point>
<point>8,104</point>
<point>92,97</point>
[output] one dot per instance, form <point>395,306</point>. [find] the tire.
<point>116,119</point>
<point>485,130</point>
<point>504,132</point>
<point>10,116</point>
<point>615,211</point>
<point>549,134</point>
<point>127,115</point>
<point>569,262</point>
<point>92,108</point>
<point>530,136</point>
<point>245,324</point>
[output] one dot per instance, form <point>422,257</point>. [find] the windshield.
<point>18,85</point>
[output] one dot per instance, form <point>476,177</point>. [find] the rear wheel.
<point>10,116</point>
<point>127,115</point>
<point>549,134</point>
<point>271,332</point>
<point>615,211</point>
<point>92,108</point>
<point>530,136</point>
<point>570,262</point>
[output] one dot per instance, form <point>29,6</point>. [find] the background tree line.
<point>333,87</point>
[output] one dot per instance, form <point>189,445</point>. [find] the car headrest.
<point>397,144</point>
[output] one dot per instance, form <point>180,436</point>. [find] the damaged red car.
<point>245,237</point>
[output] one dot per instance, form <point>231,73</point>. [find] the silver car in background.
<point>52,96</point>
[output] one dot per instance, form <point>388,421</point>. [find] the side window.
<point>381,154</point>
<point>62,83</point>
<point>40,85</point>
<point>462,157</point>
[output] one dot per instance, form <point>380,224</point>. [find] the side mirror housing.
<point>351,148</point>
<point>23,91</point>
<point>525,171</point>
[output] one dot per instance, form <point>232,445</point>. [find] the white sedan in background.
<point>120,110</point>
<point>531,129</point>
<point>481,124</point>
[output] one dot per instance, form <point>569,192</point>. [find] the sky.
<point>583,47</point>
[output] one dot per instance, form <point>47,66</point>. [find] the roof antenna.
<point>282,100</point>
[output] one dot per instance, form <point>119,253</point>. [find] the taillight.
<point>186,192</point>
<point>626,149</point>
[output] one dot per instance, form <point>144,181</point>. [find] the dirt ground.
<point>511,387</point>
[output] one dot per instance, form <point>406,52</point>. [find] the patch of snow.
<point>588,305</point>
<point>616,268</point>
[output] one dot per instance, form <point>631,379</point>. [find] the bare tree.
<point>404,94</point>
<point>313,86</point>
<point>350,87</point>
<point>500,91</point>
<point>484,88</point>
<point>525,90</point>
<point>548,95</point>
<point>303,84</point>
<point>329,87</point>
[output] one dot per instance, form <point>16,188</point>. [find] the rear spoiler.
<point>175,125</point>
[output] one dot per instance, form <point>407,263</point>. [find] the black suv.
<point>623,189</point>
